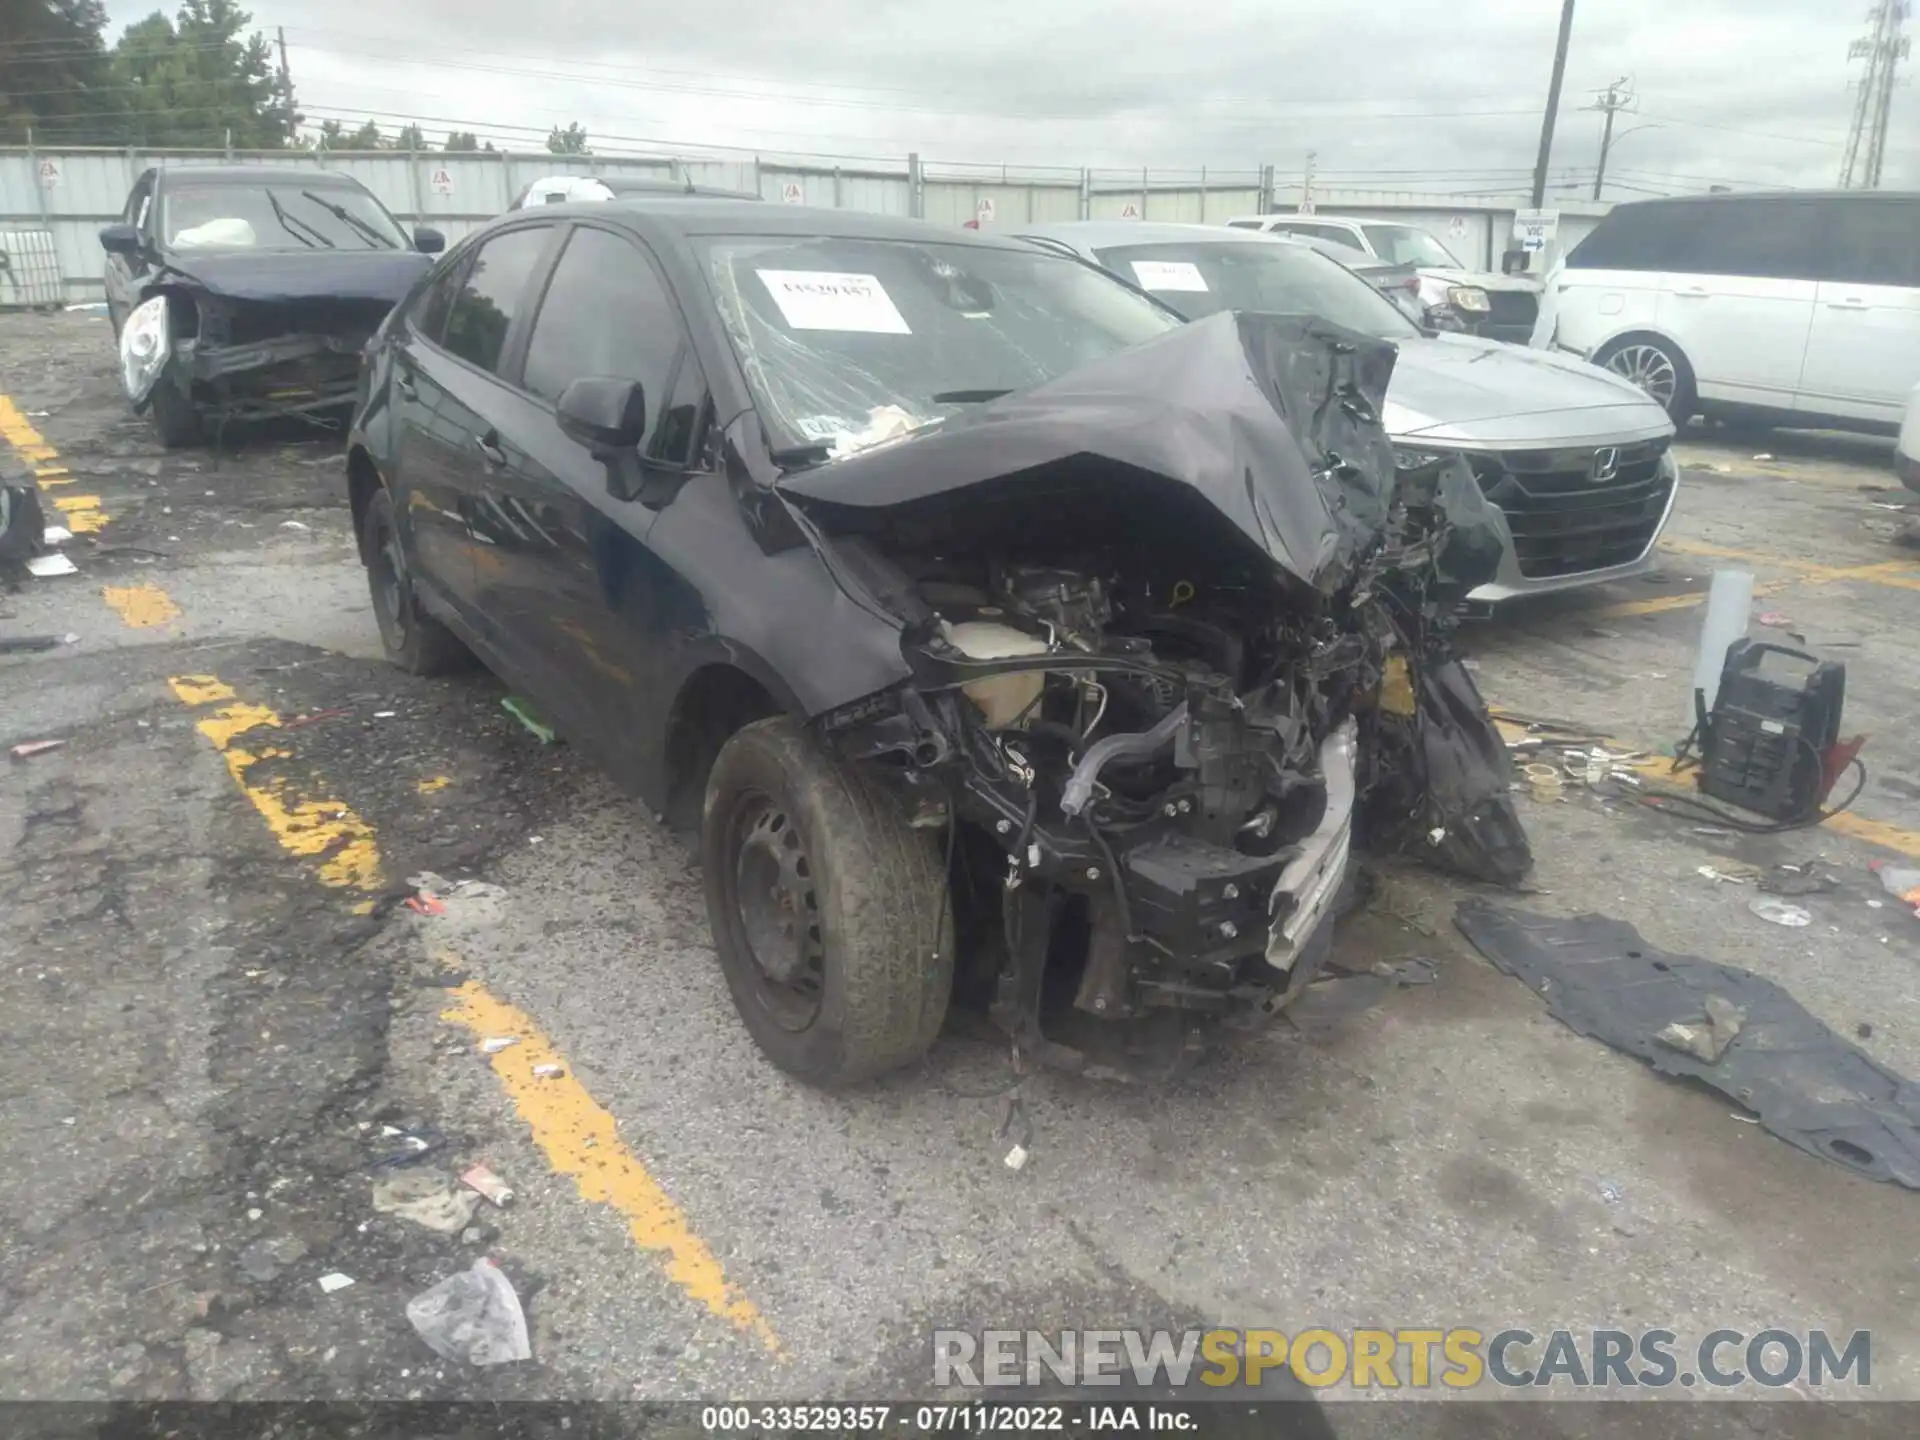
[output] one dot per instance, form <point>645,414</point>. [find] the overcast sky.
<point>1749,92</point>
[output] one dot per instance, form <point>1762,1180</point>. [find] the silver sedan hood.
<point>1462,390</point>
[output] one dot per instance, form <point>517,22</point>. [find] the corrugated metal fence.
<point>71,193</point>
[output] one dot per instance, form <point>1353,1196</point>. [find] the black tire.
<point>174,417</point>
<point>414,640</point>
<point>1658,368</point>
<point>867,980</point>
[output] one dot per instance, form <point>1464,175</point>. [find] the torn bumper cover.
<point>1148,609</point>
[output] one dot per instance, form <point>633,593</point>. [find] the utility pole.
<point>1306,184</point>
<point>1617,97</point>
<point>1883,51</point>
<point>1553,103</point>
<point>286,80</point>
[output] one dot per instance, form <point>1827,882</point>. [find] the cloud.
<point>1443,97</point>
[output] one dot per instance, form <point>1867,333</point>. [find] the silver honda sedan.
<point>1576,459</point>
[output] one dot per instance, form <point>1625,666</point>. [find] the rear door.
<point>576,579</point>
<point>1863,352</point>
<point>425,492</point>
<point>453,416</point>
<point>1738,294</point>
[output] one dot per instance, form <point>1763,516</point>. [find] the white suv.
<point>1800,308</point>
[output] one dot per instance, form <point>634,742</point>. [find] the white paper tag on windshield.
<point>1168,275</point>
<point>830,300</point>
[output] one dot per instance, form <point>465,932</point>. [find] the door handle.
<point>403,382</point>
<point>1693,292</point>
<point>489,448</point>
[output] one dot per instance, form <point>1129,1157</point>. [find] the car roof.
<point>1098,234</point>
<point>254,175</point>
<point>708,215</point>
<point>1715,199</point>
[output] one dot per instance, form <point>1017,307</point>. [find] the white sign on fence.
<point>984,210</point>
<point>790,193</point>
<point>1535,229</point>
<point>1129,211</point>
<point>1457,228</point>
<point>49,172</point>
<point>441,180</point>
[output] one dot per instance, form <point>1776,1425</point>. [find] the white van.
<point>1799,308</point>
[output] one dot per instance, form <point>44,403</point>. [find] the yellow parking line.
<point>303,827</point>
<point>141,606</point>
<point>1900,575</point>
<point>580,1141</point>
<point>578,1138</point>
<point>83,513</point>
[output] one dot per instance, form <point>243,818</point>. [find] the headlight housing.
<point>145,343</point>
<point>1404,459</point>
<point>1469,298</point>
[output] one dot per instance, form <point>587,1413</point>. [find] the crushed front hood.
<point>1463,389</point>
<point>1273,419</point>
<point>307,274</point>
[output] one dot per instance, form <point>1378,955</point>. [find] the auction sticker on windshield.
<point>1168,275</point>
<point>830,300</point>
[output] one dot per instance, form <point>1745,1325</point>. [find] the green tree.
<point>461,140</point>
<point>570,141</point>
<point>54,75</point>
<point>198,79</point>
<point>367,137</point>
<point>410,138</point>
<point>330,137</point>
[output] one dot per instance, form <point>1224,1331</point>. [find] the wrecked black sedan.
<point>967,602</point>
<point>243,292</point>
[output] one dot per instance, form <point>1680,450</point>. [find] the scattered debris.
<point>1802,879</point>
<point>1709,1041</point>
<point>425,905</point>
<point>522,710</point>
<point>1730,872</point>
<point>1763,455</point>
<point>45,567</point>
<point>293,525</point>
<point>549,1072</point>
<point>427,1200</point>
<point>1714,830</point>
<point>315,718</point>
<point>1769,907</point>
<point>1900,881</point>
<point>1775,620</point>
<point>30,644</point>
<point>1408,972</point>
<point>1811,1088</point>
<point>413,1147</point>
<point>385,714</point>
<point>27,749</point>
<point>480,1178</point>
<point>1611,1192</point>
<point>1864,1030</point>
<point>494,1044</point>
<point>474,1317</point>
<point>56,535</point>
<point>333,1280</point>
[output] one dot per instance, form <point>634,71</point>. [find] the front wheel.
<point>175,416</point>
<point>829,910</point>
<point>1658,368</point>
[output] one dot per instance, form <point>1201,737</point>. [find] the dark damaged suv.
<point>242,291</point>
<point>997,630</point>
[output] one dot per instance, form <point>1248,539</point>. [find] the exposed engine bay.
<point>1166,735</point>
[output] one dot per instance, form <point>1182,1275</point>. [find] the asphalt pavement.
<point>225,1024</point>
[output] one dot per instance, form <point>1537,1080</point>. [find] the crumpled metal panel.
<point>1808,1086</point>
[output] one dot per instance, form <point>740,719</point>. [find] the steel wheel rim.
<point>1649,367</point>
<point>777,911</point>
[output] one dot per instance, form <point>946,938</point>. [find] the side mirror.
<point>120,240</point>
<point>427,240</point>
<point>606,415</point>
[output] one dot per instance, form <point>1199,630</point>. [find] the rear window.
<point>1773,237</point>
